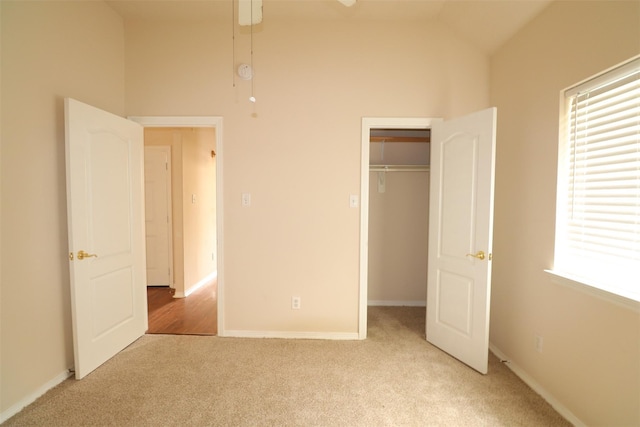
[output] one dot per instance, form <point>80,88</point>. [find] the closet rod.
<point>411,139</point>
<point>399,168</point>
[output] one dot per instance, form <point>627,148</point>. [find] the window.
<point>598,211</point>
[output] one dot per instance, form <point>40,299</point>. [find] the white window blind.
<point>598,229</point>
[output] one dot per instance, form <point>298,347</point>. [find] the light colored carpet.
<point>394,378</point>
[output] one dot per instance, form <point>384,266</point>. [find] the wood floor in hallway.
<point>193,315</point>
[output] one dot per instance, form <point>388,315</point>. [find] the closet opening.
<point>395,213</point>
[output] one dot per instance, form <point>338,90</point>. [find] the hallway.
<point>193,315</point>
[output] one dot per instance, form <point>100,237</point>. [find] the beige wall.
<point>50,50</point>
<point>199,216</point>
<point>591,355</point>
<point>398,238</point>
<point>297,150</point>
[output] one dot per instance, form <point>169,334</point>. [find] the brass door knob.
<point>82,255</point>
<point>479,255</point>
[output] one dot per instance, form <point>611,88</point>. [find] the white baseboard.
<point>385,303</point>
<point>192,289</point>
<point>551,400</point>
<point>292,335</point>
<point>29,399</point>
<point>201,283</point>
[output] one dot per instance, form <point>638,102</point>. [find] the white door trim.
<point>369,123</point>
<point>214,122</point>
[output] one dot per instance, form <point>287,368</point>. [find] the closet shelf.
<point>399,168</point>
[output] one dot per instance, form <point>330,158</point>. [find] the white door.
<point>105,204</point>
<point>460,237</point>
<point>157,186</point>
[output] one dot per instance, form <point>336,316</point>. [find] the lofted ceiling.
<point>485,23</point>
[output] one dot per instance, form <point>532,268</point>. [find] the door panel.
<point>461,225</point>
<point>453,295</point>
<point>106,220</point>
<point>457,202</point>
<point>111,289</point>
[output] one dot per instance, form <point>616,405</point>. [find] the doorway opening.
<point>394,215</point>
<point>460,232</point>
<point>191,302</point>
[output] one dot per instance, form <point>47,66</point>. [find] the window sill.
<point>571,282</point>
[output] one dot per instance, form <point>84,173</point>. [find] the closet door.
<point>460,237</point>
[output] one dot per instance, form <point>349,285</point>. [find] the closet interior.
<point>398,216</point>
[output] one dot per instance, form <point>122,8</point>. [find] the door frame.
<point>216,123</point>
<point>369,123</point>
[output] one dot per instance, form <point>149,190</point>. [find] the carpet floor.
<point>393,378</point>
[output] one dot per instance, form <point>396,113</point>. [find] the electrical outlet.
<point>539,343</point>
<point>295,303</point>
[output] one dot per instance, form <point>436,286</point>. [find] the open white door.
<point>460,237</point>
<point>105,204</point>
<point>157,186</point>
